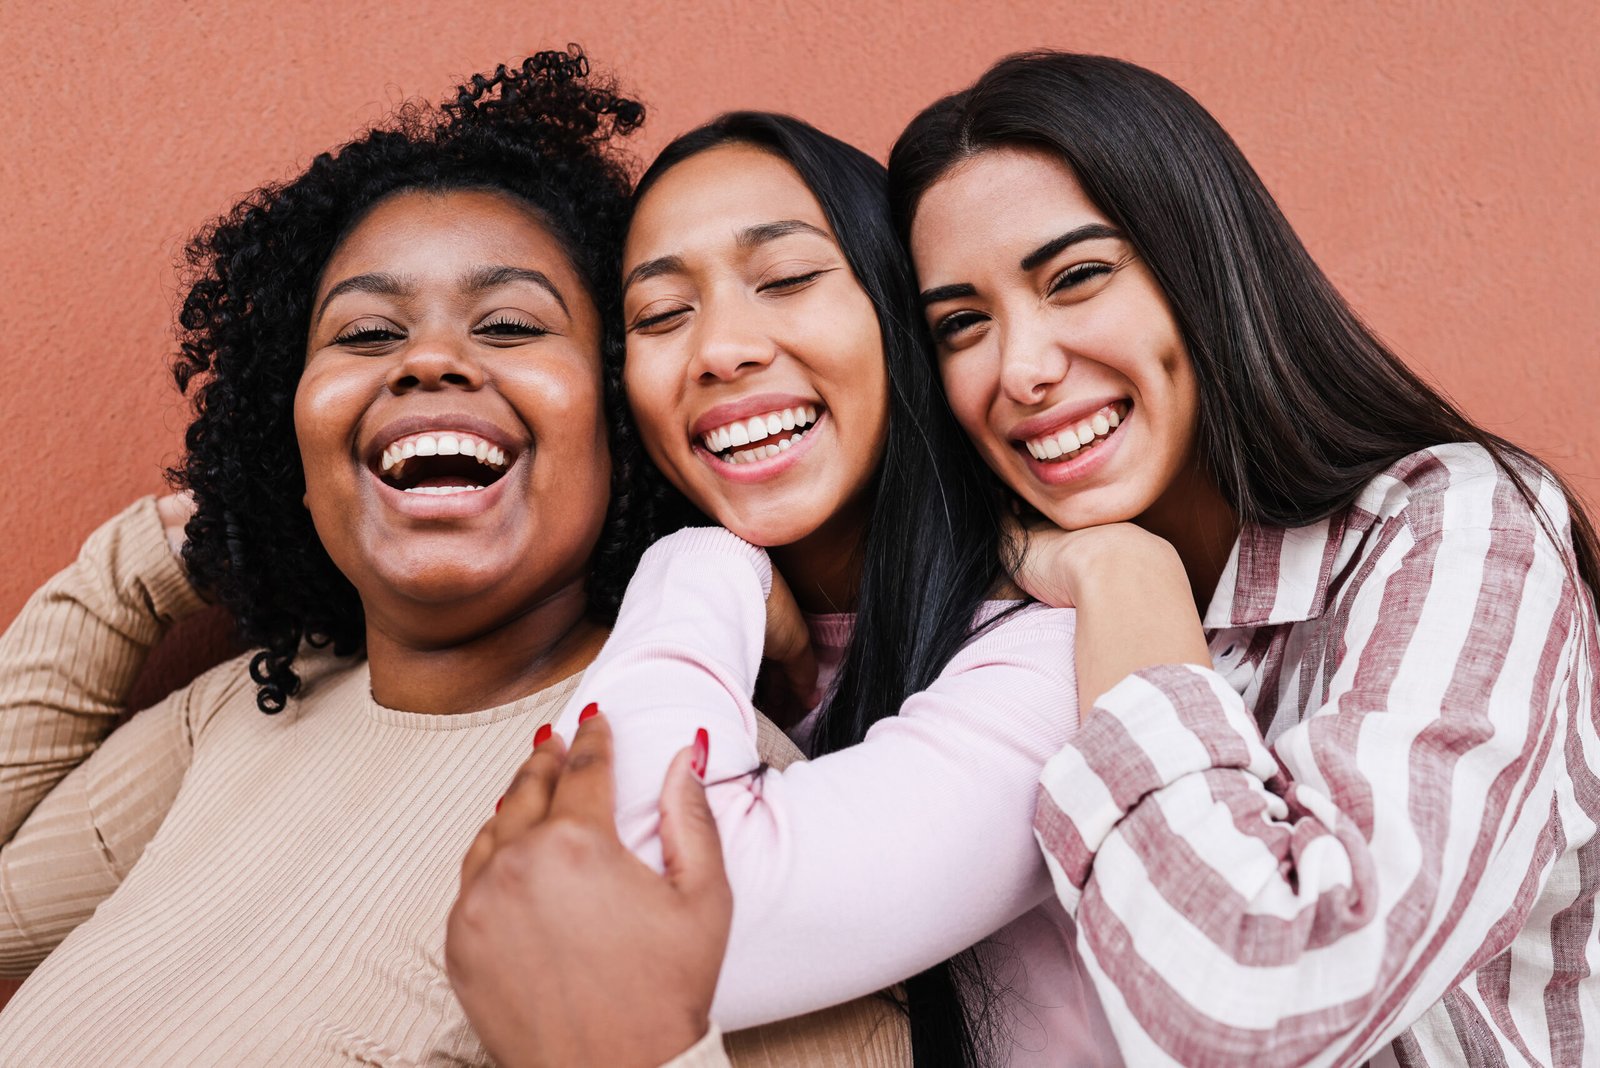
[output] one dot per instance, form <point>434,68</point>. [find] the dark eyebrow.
<point>1088,232</point>
<point>389,285</point>
<point>489,277</point>
<point>653,269</point>
<point>760,234</point>
<point>938,293</point>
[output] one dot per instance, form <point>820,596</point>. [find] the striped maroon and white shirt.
<point>1368,832</point>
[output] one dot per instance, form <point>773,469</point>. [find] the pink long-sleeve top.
<point>863,867</point>
<point>1368,830</point>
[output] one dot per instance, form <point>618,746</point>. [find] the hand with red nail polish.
<point>563,947</point>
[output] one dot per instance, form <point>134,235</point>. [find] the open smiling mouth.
<point>761,437</point>
<point>442,463</point>
<point>1079,439</point>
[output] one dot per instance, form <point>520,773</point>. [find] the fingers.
<point>527,800</point>
<point>587,791</point>
<point>691,848</point>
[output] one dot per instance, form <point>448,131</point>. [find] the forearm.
<point>866,866</point>
<point>1135,610</point>
<point>73,653</point>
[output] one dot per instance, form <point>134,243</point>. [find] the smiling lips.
<point>1086,434</point>
<point>442,462</point>
<point>783,426</point>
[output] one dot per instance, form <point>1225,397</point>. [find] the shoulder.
<point>228,690</point>
<point>1461,486</point>
<point>1028,635</point>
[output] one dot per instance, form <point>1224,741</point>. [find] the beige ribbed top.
<point>218,886</point>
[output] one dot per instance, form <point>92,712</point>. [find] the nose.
<point>1032,360</point>
<point>433,362</point>
<point>729,342</point>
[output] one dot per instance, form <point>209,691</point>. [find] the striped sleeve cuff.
<point>1147,732</point>
<point>706,1053</point>
<point>717,546</point>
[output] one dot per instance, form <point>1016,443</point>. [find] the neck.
<point>505,662</point>
<point>823,569</point>
<point>1193,516</point>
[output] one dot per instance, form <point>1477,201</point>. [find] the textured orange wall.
<point>1440,163</point>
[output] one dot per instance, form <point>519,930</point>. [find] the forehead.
<point>706,200</point>
<point>1003,202</point>
<point>425,235</point>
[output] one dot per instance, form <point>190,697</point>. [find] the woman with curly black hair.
<point>406,455</point>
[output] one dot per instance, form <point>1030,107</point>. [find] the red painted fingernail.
<point>541,735</point>
<point>588,710</point>
<point>702,752</point>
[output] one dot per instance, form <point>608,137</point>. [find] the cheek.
<point>324,419</point>
<point>649,386</point>
<point>968,384</point>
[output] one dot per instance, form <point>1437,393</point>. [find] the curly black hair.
<point>548,131</point>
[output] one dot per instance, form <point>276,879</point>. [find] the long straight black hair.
<point>932,550</point>
<point>1300,404</point>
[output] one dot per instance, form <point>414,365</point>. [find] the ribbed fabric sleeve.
<point>70,658</point>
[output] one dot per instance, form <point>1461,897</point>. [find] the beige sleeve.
<point>79,843</point>
<point>69,660</point>
<point>870,1032</point>
<point>706,1053</point>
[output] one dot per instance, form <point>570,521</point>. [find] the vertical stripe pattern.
<point>1402,868</point>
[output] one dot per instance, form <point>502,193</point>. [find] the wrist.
<point>1121,561</point>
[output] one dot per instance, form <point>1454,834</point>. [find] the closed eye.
<point>368,335</point>
<point>659,319</point>
<point>510,326</point>
<point>1078,274</point>
<point>783,285</point>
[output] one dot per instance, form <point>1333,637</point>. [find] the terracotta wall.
<point>1439,159</point>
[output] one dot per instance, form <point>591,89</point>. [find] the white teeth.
<point>443,491</point>
<point>762,452</point>
<point>757,428</point>
<point>444,444</point>
<point>1066,442</point>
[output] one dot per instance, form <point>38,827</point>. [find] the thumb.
<point>691,850</point>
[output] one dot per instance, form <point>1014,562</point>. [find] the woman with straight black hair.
<point>1336,795</point>
<point>1336,787</point>
<point>781,382</point>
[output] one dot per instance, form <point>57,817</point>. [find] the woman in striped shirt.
<point>1336,791</point>
<point>1335,797</point>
